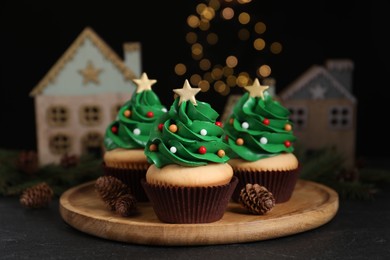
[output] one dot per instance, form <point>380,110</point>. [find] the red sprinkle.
<point>114,129</point>
<point>160,126</point>
<point>150,114</point>
<point>202,150</point>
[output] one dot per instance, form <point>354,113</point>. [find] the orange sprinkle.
<point>127,113</point>
<point>221,153</point>
<point>240,141</point>
<point>173,128</point>
<point>287,127</point>
<point>153,147</point>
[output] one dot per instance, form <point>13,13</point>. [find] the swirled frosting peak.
<point>188,134</point>
<point>259,127</point>
<point>131,128</point>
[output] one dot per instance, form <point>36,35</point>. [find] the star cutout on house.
<point>90,74</point>
<point>256,90</point>
<point>318,92</point>
<point>144,83</point>
<point>187,93</point>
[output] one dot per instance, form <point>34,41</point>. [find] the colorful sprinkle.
<point>245,125</point>
<point>150,114</point>
<point>137,131</point>
<point>127,113</point>
<point>218,123</point>
<point>240,141</point>
<point>287,127</point>
<point>266,121</point>
<point>173,128</point>
<point>221,153</point>
<point>153,147</point>
<point>160,126</point>
<point>287,143</point>
<point>114,129</point>
<point>202,150</point>
<point>231,120</point>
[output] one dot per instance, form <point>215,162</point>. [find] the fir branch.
<point>355,190</point>
<point>13,181</point>
<point>376,176</point>
<point>326,166</point>
<point>323,165</point>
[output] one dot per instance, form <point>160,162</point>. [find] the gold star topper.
<point>144,83</point>
<point>256,90</point>
<point>187,93</point>
<point>90,74</point>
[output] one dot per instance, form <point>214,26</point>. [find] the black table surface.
<point>359,230</point>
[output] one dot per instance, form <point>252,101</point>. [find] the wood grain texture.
<point>311,205</point>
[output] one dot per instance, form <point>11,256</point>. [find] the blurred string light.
<point>224,38</point>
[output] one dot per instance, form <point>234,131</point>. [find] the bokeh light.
<point>229,45</point>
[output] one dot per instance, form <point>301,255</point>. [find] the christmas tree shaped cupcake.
<point>127,135</point>
<point>189,180</point>
<point>260,135</point>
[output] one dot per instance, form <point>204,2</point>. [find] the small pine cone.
<point>28,162</point>
<point>68,161</point>
<point>125,205</point>
<point>256,198</point>
<point>38,196</point>
<point>110,189</point>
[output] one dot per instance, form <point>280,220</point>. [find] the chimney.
<point>270,82</point>
<point>341,69</point>
<point>132,55</point>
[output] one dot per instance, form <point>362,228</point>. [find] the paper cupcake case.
<point>185,205</point>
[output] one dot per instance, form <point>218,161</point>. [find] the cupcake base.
<point>186,205</point>
<point>132,178</point>
<point>280,183</point>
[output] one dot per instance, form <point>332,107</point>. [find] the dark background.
<point>34,34</point>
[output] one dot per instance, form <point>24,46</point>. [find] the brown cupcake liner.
<point>130,177</point>
<point>280,183</point>
<point>186,205</point>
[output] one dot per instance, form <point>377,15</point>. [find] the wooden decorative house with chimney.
<point>81,94</point>
<point>323,108</point>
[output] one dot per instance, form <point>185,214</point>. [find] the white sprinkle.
<point>164,109</point>
<point>263,140</point>
<point>173,149</point>
<point>203,132</point>
<point>245,125</point>
<point>136,131</point>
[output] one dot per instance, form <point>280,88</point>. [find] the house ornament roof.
<point>107,52</point>
<point>310,74</point>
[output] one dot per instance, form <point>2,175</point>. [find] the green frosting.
<point>197,141</point>
<point>262,125</point>
<point>131,128</point>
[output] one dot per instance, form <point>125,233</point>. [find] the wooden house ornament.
<point>81,94</point>
<point>323,108</point>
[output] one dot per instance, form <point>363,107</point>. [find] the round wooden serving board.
<point>310,206</point>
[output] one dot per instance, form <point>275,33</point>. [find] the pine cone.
<point>125,205</point>
<point>68,161</point>
<point>38,196</point>
<point>256,198</point>
<point>28,162</point>
<point>110,189</point>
